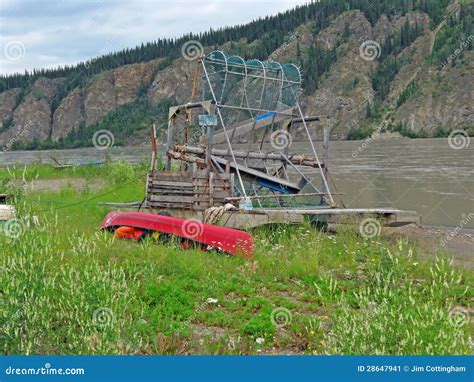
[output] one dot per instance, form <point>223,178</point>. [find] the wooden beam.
<point>186,158</point>
<point>278,196</point>
<point>297,159</point>
<point>248,125</point>
<point>253,174</point>
<point>325,151</point>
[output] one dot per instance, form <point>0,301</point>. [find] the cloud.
<point>65,32</point>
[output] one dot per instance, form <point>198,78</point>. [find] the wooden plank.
<point>198,183</point>
<point>201,203</point>
<point>338,211</point>
<point>170,174</point>
<point>220,188</point>
<point>280,196</point>
<point>221,183</point>
<point>232,184</point>
<point>251,124</point>
<point>244,170</point>
<point>220,195</point>
<point>200,208</point>
<point>172,199</point>
<point>156,191</point>
<point>181,179</point>
<point>170,206</point>
<point>176,184</point>
<point>326,131</point>
<point>171,185</point>
<point>201,176</point>
<point>169,188</point>
<point>211,187</point>
<point>170,138</point>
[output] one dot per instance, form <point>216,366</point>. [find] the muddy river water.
<point>425,175</point>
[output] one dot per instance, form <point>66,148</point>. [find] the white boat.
<point>7,212</point>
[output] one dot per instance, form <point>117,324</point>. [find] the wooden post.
<point>154,151</point>
<point>325,151</point>
<point>211,188</point>
<point>170,138</point>
<point>232,184</point>
<point>210,133</point>
<point>286,150</point>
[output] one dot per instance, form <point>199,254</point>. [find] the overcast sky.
<point>46,33</point>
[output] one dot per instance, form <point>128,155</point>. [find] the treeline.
<point>270,31</point>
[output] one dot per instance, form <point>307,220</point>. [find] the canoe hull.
<point>226,239</point>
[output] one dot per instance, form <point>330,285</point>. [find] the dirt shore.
<point>454,242</point>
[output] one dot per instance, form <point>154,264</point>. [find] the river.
<point>425,175</point>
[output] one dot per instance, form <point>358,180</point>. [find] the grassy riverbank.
<point>67,288</point>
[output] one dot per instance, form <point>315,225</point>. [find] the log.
<point>298,159</point>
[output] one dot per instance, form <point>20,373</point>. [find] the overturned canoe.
<point>226,239</point>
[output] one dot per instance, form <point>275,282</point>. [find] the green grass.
<point>67,288</point>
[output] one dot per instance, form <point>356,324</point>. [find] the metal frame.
<point>268,176</point>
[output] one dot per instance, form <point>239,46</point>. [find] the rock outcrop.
<point>69,115</point>
<point>8,103</point>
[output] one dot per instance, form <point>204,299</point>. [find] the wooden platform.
<point>388,216</point>
<point>261,216</point>
<point>187,190</point>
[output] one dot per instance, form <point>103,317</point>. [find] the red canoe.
<point>227,239</point>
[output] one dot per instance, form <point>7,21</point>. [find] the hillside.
<point>419,79</point>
